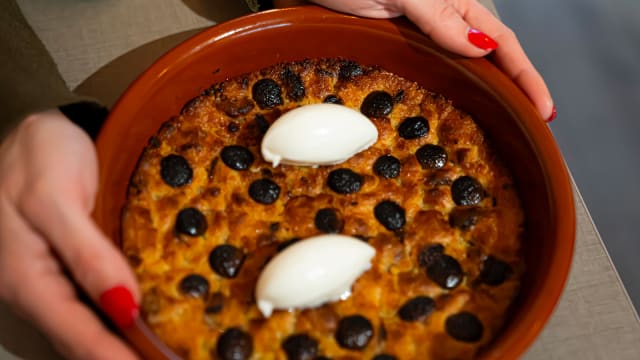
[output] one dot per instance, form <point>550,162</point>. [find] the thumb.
<point>446,25</point>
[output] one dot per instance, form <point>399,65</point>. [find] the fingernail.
<point>481,40</point>
<point>553,114</point>
<point>119,306</point>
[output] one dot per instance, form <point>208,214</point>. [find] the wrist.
<point>89,116</point>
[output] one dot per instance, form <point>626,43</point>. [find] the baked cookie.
<point>205,213</point>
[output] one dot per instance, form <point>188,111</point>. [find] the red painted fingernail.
<point>119,305</point>
<point>553,115</point>
<point>481,40</point>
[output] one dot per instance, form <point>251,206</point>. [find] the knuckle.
<point>84,262</point>
<point>447,12</point>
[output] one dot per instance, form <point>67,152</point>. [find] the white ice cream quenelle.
<point>312,272</point>
<point>318,134</point>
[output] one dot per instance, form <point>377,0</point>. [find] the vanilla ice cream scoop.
<point>312,272</point>
<point>317,134</point>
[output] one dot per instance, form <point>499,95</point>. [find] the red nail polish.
<point>481,40</point>
<point>119,305</point>
<point>553,115</point>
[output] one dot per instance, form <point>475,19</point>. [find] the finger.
<point>446,26</point>
<point>32,282</point>
<point>58,204</point>
<point>510,56</point>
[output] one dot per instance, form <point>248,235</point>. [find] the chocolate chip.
<point>300,347</point>
<point>417,308</point>
<point>413,128</point>
<point>191,221</point>
<point>194,285</point>
<point>494,271</point>
<point>377,104</point>
<point>398,97</point>
<point>387,166</point>
<point>466,190</point>
<point>293,85</point>
<point>233,127</point>
<point>349,70</point>
<point>267,93</point>
<point>464,326</point>
<point>237,157</point>
<point>344,181</point>
<point>226,260</point>
<point>332,99</point>
<point>234,344</point>
<point>175,170</point>
<point>441,268</point>
<point>215,303</point>
<point>390,215</point>
<point>384,357</point>
<point>354,332</point>
<point>328,221</point>
<point>264,191</point>
<point>262,123</point>
<point>431,156</point>
<point>464,218</point>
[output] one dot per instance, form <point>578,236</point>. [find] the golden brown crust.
<point>226,115</point>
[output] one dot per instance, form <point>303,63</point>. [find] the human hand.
<point>465,27</point>
<point>48,181</point>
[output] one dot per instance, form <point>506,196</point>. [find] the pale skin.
<point>48,182</point>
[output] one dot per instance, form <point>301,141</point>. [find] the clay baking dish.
<point>474,85</point>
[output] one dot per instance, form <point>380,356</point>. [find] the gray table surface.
<point>101,45</point>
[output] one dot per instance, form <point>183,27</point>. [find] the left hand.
<point>465,27</point>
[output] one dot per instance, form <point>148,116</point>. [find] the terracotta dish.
<point>474,85</point>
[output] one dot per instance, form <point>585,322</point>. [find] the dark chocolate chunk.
<point>215,303</point>
<point>237,157</point>
<point>332,99</point>
<point>494,271</point>
<point>390,215</point>
<point>226,260</point>
<point>431,156</point>
<point>233,127</point>
<point>293,85</point>
<point>464,326</point>
<point>264,191</point>
<point>194,285</point>
<point>344,181</point>
<point>328,221</point>
<point>354,332</point>
<point>398,97</point>
<point>234,344</point>
<point>175,170</point>
<point>267,93</point>
<point>300,347</point>
<point>377,104</point>
<point>349,70</point>
<point>441,268</point>
<point>413,127</point>
<point>191,221</point>
<point>466,190</point>
<point>262,123</point>
<point>387,166</point>
<point>464,218</point>
<point>417,308</point>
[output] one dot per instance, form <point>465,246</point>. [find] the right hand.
<point>48,182</point>
<point>450,23</point>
